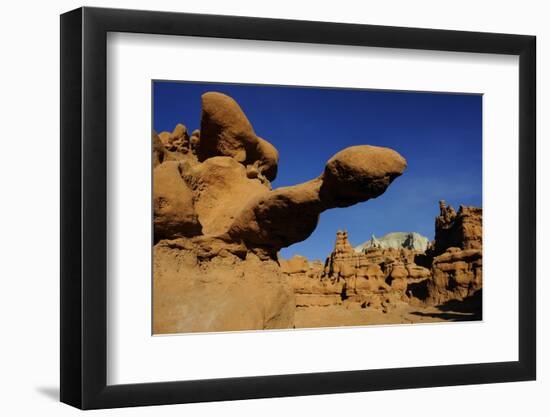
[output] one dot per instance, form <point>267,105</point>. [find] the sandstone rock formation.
<point>195,291</point>
<point>462,229</point>
<point>457,254</point>
<point>375,278</point>
<point>218,225</point>
<point>275,219</point>
<point>387,273</point>
<point>307,283</point>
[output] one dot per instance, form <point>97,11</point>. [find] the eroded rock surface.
<point>462,230</point>
<point>375,278</point>
<point>218,225</point>
<point>457,254</point>
<point>386,274</point>
<point>200,290</point>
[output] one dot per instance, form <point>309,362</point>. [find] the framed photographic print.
<point>258,208</point>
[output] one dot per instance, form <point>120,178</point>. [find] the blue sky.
<point>439,134</point>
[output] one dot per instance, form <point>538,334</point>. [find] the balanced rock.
<point>219,225</point>
<point>288,215</point>
<point>359,173</point>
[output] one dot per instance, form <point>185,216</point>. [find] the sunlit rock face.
<point>218,224</point>
<point>462,229</point>
<point>375,278</point>
<point>398,268</point>
<point>457,254</point>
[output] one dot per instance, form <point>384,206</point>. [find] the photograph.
<point>294,207</point>
<point>275,209</point>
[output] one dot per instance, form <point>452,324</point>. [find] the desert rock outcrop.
<point>383,274</point>
<point>229,182</point>
<point>195,291</point>
<point>218,225</point>
<point>375,278</point>
<point>457,254</point>
<point>462,230</point>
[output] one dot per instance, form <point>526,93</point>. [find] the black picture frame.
<point>84,207</point>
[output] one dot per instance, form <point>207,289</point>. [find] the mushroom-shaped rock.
<point>359,173</point>
<point>287,215</point>
<point>216,215</point>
